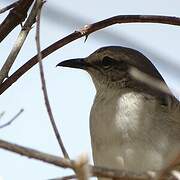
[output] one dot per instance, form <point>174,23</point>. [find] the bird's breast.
<point>121,127</point>
<point>121,115</point>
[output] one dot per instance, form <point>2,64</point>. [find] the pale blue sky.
<point>71,92</point>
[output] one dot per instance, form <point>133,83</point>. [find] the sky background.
<point>71,91</point>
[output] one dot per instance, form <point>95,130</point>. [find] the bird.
<point>134,126</point>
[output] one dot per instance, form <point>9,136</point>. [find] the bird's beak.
<point>79,63</point>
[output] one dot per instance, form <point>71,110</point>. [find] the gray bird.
<point>133,126</point>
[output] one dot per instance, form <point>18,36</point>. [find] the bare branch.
<point>16,16</point>
<point>65,177</point>
<point>19,42</point>
<point>31,153</point>
<point>2,10</point>
<point>10,121</point>
<point>44,88</point>
<point>66,163</point>
<point>85,32</point>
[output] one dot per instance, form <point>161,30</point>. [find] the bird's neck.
<point>108,91</point>
<point>107,85</point>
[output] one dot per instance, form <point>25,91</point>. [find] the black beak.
<point>75,63</point>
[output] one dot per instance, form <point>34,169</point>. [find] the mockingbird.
<point>133,126</point>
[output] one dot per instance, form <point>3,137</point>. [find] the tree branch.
<point>19,43</point>
<point>44,88</point>
<point>65,177</point>
<point>2,10</point>
<point>88,29</point>
<point>65,163</point>
<point>31,153</point>
<point>16,16</point>
<point>10,121</point>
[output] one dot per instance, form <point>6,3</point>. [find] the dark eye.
<point>107,62</point>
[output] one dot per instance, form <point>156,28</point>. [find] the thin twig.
<point>65,177</point>
<point>85,32</point>
<point>19,42</point>
<point>44,88</point>
<point>14,118</point>
<point>2,10</point>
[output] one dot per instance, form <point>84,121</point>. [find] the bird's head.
<point>109,66</point>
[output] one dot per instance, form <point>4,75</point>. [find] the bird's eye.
<point>107,62</point>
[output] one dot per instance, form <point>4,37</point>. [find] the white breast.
<point>124,135</point>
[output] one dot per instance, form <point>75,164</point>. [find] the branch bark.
<point>2,10</point>
<point>85,31</point>
<point>31,153</point>
<point>19,43</point>
<point>16,16</point>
